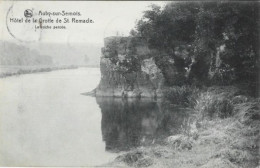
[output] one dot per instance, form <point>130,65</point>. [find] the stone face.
<point>119,81</point>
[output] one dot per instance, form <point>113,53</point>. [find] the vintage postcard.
<point>158,84</point>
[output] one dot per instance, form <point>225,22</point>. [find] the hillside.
<point>13,54</point>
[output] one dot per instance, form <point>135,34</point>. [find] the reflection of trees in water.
<point>131,123</point>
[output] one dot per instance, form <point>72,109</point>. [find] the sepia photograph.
<point>122,84</point>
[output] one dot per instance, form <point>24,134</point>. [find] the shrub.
<point>138,158</point>
<point>214,103</point>
<point>181,95</point>
<point>247,111</point>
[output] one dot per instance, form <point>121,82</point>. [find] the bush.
<point>247,111</point>
<point>226,101</point>
<point>138,158</point>
<point>182,95</point>
<point>215,102</point>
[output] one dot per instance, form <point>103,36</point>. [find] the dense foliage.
<point>205,42</point>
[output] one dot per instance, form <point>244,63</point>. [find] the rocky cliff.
<point>127,70</point>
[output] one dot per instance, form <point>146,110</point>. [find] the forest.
<point>210,43</point>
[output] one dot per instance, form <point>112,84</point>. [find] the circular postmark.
<point>21,30</point>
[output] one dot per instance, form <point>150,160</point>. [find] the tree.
<point>191,33</point>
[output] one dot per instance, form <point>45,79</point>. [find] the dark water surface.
<point>45,121</point>
<point>139,122</point>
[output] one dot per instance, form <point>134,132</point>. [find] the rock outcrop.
<point>128,71</point>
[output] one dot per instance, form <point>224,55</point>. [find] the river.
<point>46,121</point>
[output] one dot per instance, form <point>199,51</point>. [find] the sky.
<point>110,18</point>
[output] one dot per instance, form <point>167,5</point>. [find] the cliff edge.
<point>127,70</point>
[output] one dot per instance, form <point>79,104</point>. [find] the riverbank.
<point>224,133</point>
<point>7,71</point>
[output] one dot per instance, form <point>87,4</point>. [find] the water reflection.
<point>130,123</point>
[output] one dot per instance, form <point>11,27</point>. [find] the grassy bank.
<point>224,133</point>
<point>19,70</point>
